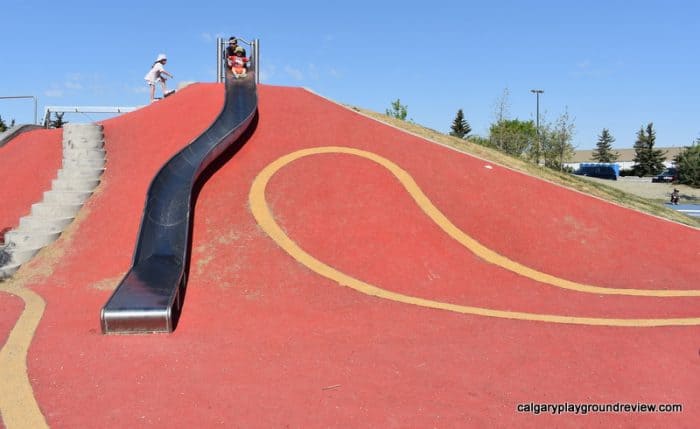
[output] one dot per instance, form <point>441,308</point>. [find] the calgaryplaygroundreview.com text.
<point>583,408</point>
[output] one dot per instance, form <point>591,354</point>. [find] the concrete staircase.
<point>84,161</point>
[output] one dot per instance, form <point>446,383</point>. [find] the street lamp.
<point>537,93</point>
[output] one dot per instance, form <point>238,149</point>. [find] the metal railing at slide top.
<point>221,43</point>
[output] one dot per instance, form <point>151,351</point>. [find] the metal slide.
<point>149,298</point>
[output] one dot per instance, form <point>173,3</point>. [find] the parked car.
<point>669,175</point>
<point>600,170</point>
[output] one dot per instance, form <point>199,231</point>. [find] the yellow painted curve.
<point>18,405</point>
<point>263,215</point>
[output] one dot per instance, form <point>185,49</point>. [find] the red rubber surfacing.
<point>29,162</point>
<point>263,341</point>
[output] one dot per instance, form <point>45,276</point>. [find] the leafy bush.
<point>688,163</point>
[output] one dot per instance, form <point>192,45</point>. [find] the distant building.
<point>625,160</point>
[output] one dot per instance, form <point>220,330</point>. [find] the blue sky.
<point>612,64</point>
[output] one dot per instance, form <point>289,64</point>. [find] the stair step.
<point>66,197</point>
<point>83,173</point>
<point>21,255</point>
<point>80,154</point>
<point>74,185</point>
<point>31,239</point>
<point>83,163</point>
<point>55,210</point>
<point>31,223</point>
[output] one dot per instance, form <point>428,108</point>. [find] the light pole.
<point>537,93</point>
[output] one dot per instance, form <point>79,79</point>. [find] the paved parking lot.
<point>643,187</point>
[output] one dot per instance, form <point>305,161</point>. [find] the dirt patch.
<point>108,284</point>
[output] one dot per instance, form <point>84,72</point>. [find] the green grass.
<point>653,207</point>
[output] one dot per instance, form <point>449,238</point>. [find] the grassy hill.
<point>600,190</point>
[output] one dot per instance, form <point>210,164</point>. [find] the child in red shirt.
<point>239,62</point>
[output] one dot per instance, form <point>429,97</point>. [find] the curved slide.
<point>149,298</point>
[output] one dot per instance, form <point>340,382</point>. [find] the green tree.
<point>4,126</point>
<point>688,164</point>
<point>604,151</point>
<point>397,110</point>
<point>58,122</point>
<point>648,161</point>
<point>556,142</point>
<point>460,127</point>
<point>512,136</point>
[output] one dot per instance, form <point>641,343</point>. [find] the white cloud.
<point>586,69</point>
<point>294,73</point>
<point>313,71</point>
<point>267,72</point>
<point>53,92</point>
<point>210,38</point>
<point>73,85</point>
<point>140,89</point>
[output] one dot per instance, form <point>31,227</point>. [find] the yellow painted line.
<point>18,405</point>
<point>263,215</point>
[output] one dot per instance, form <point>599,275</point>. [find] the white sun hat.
<point>161,57</point>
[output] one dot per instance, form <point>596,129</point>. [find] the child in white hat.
<point>157,74</point>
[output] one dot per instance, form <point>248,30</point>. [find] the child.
<point>238,63</point>
<point>675,196</point>
<point>157,74</point>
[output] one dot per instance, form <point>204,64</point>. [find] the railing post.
<point>219,64</point>
<point>256,52</point>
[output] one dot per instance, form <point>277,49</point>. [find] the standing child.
<point>238,63</point>
<point>675,196</point>
<point>157,74</point>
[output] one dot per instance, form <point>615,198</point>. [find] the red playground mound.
<point>347,274</point>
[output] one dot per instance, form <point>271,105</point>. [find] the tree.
<point>604,152</point>
<point>688,164</point>
<point>398,110</point>
<point>512,136</point>
<point>556,142</point>
<point>648,161</point>
<point>3,125</point>
<point>58,122</point>
<point>502,106</point>
<point>460,127</point>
